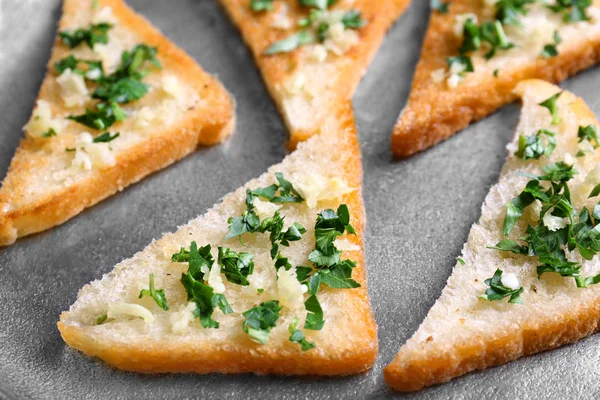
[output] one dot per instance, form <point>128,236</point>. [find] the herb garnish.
<point>261,5</point>
<point>122,86</point>
<point>193,282</point>
<point>552,106</point>
<point>106,137</point>
<point>550,50</point>
<point>158,295</point>
<point>236,266</point>
<point>440,6</point>
<point>558,227</point>
<point>91,70</point>
<point>96,33</point>
<point>49,133</point>
<point>498,291</point>
<point>260,320</point>
<point>572,10</point>
<point>589,133</point>
<point>100,320</point>
<point>533,146</point>
<point>312,31</point>
<point>297,336</point>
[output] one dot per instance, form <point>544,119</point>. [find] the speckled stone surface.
<point>419,214</point>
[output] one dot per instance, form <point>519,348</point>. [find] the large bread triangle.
<point>436,109</point>
<point>307,85</point>
<point>347,343</point>
<point>185,107</point>
<point>462,332</point>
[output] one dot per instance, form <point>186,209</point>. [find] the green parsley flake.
<point>199,292</point>
<point>552,106</point>
<point>49,133</point>
<point>260,320</point>
<point>158,295</point>
<point>440,6</point>
<point>297,336</point>
<point>261,5</point>
<point>533,147</point>
<point>498,291</point>
<point>96,33</point>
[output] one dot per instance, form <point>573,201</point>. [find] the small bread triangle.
<point>308,83</point>
<point>177,342</point>
<point>442,103</point>
<point>462,332</point>
<point>58,169</point>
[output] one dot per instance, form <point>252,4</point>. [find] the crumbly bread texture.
<point>436,110</point>
<point>348,342</point>
<point>184,108</point>
<point>462,333</point>
<point>307,84</point>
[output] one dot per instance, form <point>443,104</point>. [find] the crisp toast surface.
<point>462,332</point>
<point>436,109</point>
<point>41,190</point>
<point>305,85</point>
<point>347,343</point>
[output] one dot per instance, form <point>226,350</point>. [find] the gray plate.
<point>419,210</point>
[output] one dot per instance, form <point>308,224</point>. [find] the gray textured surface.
<point>419,213</point>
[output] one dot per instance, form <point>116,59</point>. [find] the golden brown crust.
<point>415,369</point>
<point>434,112</point>
<point>240,357</point>
<point>201,126</point>
<point>349,67</point>
<point>431,369</point>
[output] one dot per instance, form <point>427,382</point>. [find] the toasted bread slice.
<point>325,179</point>
<point>309,83</point>
<point>184,107</point>
<point>462,332</point>
<point>439,104</point>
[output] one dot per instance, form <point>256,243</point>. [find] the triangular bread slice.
<point>439,105</point>
<point>462,332</point>
<point>347,343</point>
<point>183,108</point>
<point>309,83</point>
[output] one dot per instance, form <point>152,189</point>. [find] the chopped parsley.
<point>91,70</point>
<point>297,336</point>
<point>158,295</point>
<point>260,320</point>
<point>464,62</point>
<point>122,86</point>
<point>314,27</point>
<point>314,314</point>
<point>249,221</point>
<point>291,43</point>
<point>533,147</point>
<point>558,174</point>
<point>550,104</point>
<point>101,319</point>
<point>589,133</point>
<point>548,242</point>
<point>497,291</point>
<point>193,282</point>
<point>320,4</point>
<point>440,6</point>
<point>550,50</point>
<point>236,266</point>
<point>96,33</point>
<point>102,117</point>
<point>509,11</point>
<point>261,5</point>
<point>106,137</point>
<point>49,133</point>
<point>572,10</point>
